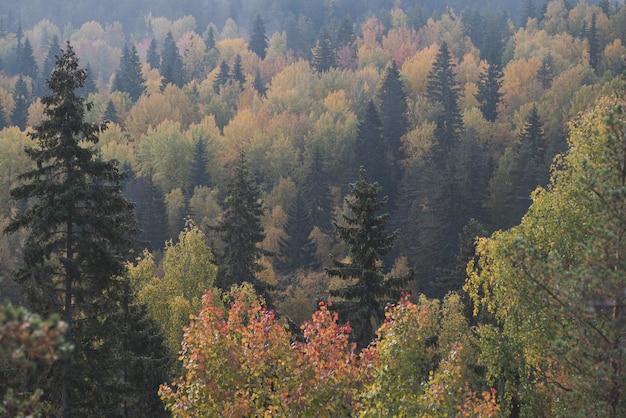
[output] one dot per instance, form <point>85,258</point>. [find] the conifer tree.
<point>110,114</point>
<point>199,173</point>
<point>367,291</point>
<point>297,250</point>
<point>258,39</point>
<point>443,90</point>
<point>594,44</point>
<point>89,86</point>
<point>3,118</point>
<point>222,76</point>
<point>317,191</point>
<point>238,75</point>
<point>54,49</point>
<point>78,239</point>
<point>27,66</point>
<point>152,56</point>
<point>241,229</point>
<point>258,84</point>
<point>128,77</point>
<point>171,63</point>
<point>545,74</point>
<point>21,99</point>
<point>150,211</point>
<point>488,94</point>
<point>210,38</point>
<point>323,54</point>
<point>345,33</point>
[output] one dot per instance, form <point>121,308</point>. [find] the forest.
<point>322,208</point>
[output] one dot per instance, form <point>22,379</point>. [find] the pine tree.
<point>545,74</point>
<point>89,86</point>
<point>199,173</point>
<point>241,229</point>
<point>488,94</point>
<point>238,75</point>
<point>27,66</point>
<point>128,77</point>
<point>443,89</point>
<point>21,99</point>
<point>152,56</point>
<point>54,49</point>
<point>210,39</point>
<point>222,76</point>
<point>363,231</point>
<point>258,84</point>
<point>150,211</point>
<point>258,39</point>
<point>297,250</point>
<point>171,63</point>
<point>345,33</point>
<point>78,237</point>
<point>323,54</point>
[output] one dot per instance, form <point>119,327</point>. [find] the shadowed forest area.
<point>375,208</point>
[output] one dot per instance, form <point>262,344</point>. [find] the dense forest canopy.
<point>276,154</point>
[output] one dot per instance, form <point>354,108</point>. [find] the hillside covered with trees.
<point>435,192</point>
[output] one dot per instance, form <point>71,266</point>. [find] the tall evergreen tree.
<point>317,191</point>
<point>394,118</point>
<point>21,99</point>
<point>150,211</point>
<point>238,75</point>
<point>241,229</point>
<point>3,118</point>
<point>27,66</point>
<point>171,63</point>
<point>488,94</point>
<point>210,38</point>
<point>78,241</point>
<point>152,56</point>
<point>49,63</point>
<point>345,33</point>
<point>545,74</point>
<point>128,77</point>
<point>371,149</point>
<point>443,90</point>
<point>199,173</point>
<point>89,86</point>
<point>258,84</point>
<point>258,39</point>
<point>594,44</point>
<point>110,114</point>
<point>222,76</point>
<point>323,54</point>
<point>368,291</point>
<point>297,250</point>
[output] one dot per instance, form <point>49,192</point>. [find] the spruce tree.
<point>210,38</point>
<point>21,99</point>
<point>89,86</point>
<point>238,75</point>
<point>488,94</point>
<point>258,84</point>
<point>171,63</point>
<point>297,250</point>
<point>222,76</point>
<point>110,114</point>
<point>150,211</point>
<point>128,77</point>
<point>78,240</point>
<point>152,56</point>
<point>317,191</point>
<point>594,45</point>
<point>27,66</point>
<point>362,229</point>
<point>545,74</point>
<point>241,229</point>
<point>443,90</point>
<point>258,39</point>
<point>49,63</point>
<point>323,54</point>
<point>199,173</point>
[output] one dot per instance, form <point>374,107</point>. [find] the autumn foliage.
<point>242,362</point>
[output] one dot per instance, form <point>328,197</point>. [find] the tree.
<point>171,67</point>
<point>241,229</point>
<point>258,84</point>
<point>152,56</point>
<point>545,74</point>
<point>258,39</point>
<point>110,114</point>
<point>89,86</point>
<point>317,190</point>
<point>443,90</point>
<point>395,123</point>
<point>199,172</point>
<point>323,54</point>
<point>79,225</point>
<point>595,51</point>
<point>128,78</point>
<point>27,66</point>
<point>21,99</point>
<point>367,290</point>
<point>488,94</point>
<point>210,38</point>
<point>297,250</point>
<point>3,118</point>
<point>150,211</point>
<point>222,77</point>
<point>54,49</point>
<point>564,264</point>
<point>238,75</point>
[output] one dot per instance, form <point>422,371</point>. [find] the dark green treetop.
<point>258,39</point>
<point>128,77</point>
<point>488,94</point>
